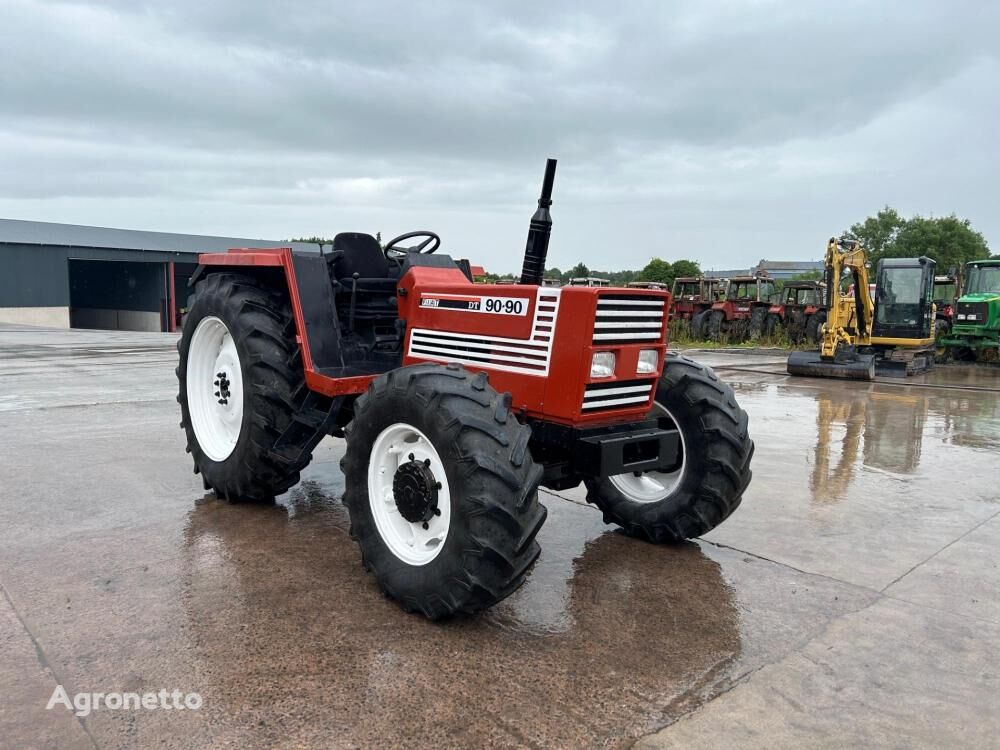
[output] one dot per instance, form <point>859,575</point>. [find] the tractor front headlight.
<point>602,365</point>
<point>648,359</point>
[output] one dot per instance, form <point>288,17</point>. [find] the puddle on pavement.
<point>900,432</point>
<point>609,639</point>
<point>605,636</point>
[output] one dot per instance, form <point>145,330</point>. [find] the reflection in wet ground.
<point>606,635</point>
<point>609,639</point>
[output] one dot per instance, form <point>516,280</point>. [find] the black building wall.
<point>38,275</point>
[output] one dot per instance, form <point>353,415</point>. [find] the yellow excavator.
<point>892,335</point>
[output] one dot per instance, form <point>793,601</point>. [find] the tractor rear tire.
<point>771,325</point>
<point>470,542</point>
<point>709,485</point>
<point>698,325</point>
<point>757,318</point>
<point>714,325</point>
<point>814,326</point>
<point>252,447</point>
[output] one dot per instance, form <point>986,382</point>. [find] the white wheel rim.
<point>410,542</point>
<point>214,385</point>
<point>653,486</point>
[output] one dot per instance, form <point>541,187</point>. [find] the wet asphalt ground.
<point>853,600</point>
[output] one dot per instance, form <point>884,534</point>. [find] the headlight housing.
<point>648,359</point>
<point>602,365</point>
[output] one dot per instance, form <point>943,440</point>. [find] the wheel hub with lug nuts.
<point>222,383</point>
<point>408,494</point>
<point>415,491</point>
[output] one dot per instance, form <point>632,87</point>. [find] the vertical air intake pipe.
<point>537,246</point>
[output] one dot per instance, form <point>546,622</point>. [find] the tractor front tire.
<point>441,489</point>
<point>245,409</point>
<point>715,468</point>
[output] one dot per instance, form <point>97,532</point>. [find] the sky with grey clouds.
<point>723,131</point>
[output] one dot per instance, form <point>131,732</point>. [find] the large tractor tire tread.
<point>771,325</point>
<point>495,513</point>
<point>282,420</point>
<point>718,454</point>
<point>697,326</point>
<point>758,316</point>
<point>814,327</point>
<point>714,325</point>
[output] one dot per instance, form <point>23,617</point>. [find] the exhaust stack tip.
<point>536,249</point>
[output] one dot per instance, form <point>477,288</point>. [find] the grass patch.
<point>680,335</point>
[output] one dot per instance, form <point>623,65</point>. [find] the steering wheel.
<point>432,239</point>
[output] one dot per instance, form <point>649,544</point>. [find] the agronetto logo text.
<point>82,704</point>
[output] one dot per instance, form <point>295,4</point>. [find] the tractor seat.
<point>359,253</point>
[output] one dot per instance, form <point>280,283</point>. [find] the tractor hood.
<point>981,297</point>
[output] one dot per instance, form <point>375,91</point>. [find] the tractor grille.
<point>628,319</point>
<point>972,313</point>
<point>530,356</point>
<point>616,395</point>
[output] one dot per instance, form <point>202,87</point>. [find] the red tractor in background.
<point>457,402</point>
<point>742,313</point>
<point>692,298</point>
<point>800,311</point>
<point>947,289</point>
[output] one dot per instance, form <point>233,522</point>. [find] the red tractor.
<point>947,289</point>
<point>457,401</point>
<point>742,313</point>
<point>800,311</point>
<point>692,299</point>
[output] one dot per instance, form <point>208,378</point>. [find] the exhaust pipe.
<point>537,247</point>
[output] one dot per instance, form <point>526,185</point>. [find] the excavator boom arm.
<point>849,317</point>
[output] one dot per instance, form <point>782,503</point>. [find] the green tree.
<point>665,272</point>
<point>658,270</point>
<point>578,271</point>
<point>949,240</point>
<point>684,267</point>
<point>314,240</point>
<point>878,233</point>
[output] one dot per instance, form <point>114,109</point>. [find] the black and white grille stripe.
<point>628,319</point>
<point>616,395</point>
<point>530,356</point>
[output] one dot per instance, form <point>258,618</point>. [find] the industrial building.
<point>776,269</point>
<point>71,276</point>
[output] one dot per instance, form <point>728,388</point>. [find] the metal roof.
<point>790,265</point>
<point>16,231</point>
<point>728,273</point>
